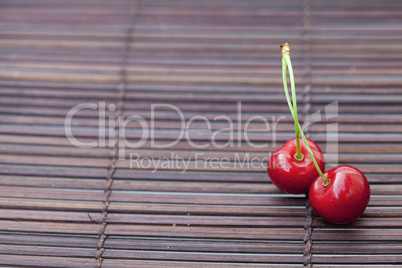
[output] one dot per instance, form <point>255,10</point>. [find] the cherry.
<point>291,175</point>
<point>293,167</point>
<point>344,199</point>
<point>341,194</point>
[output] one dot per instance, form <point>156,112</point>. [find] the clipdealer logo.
<point>233,132</point>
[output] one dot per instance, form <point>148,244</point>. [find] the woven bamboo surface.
<point>64,206</point>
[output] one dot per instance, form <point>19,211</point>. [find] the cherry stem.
<point>286,64</point>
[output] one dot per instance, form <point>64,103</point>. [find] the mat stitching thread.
<point>118,112</point>
<point>306,41</point>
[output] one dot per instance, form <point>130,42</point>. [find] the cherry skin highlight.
<point>290,175</point>
<point>344,199</point>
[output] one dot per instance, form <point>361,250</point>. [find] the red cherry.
<point>290,175</point>
<point>344,199</point>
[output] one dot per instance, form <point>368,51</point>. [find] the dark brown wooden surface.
<point>64,206</point>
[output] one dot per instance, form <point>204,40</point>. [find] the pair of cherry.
<point>340,195</point>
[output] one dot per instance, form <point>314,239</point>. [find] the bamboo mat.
<point>64,206</point>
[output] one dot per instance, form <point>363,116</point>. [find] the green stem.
<point>286,64</point>
<point>326,181</point>
<point>298,156</point>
